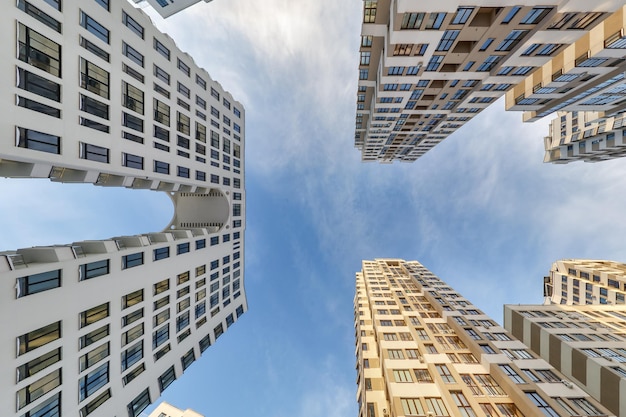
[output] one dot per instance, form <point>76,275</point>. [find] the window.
<point>162,49</point>
<point>167,378</point>
<point>39,51</point>
<point>36,13</point>
<point>411,21</point>
<point>39,85</point>
<point>132,298</point>
<point>35,283</point>
<point>37,338</point>
<point>161,90</point>
<point>132,334</point>
<point>132,122</point>
<point>132,355</point>
<point>136,406</point>
<point>94,153</point>
<point>201,82</point>
<point>130,261</point>
<point>93,381</point>
<point>161,113</point>
<point>541,404</point>
<point>161,167</point>
<point>162,75</point>
<point>36,365</point>
<point>412,406</point>
<point>511,40</point>
<point>38,141</point>
<point>93,269</point>
<point>435,20</point>
<point>94,79</point>
<point>161,253</point>
<point>94,27</point>
<point>183,172</point>
<point>462,404</point>
<point>160,336</point>
<point>436,406</point>
<point>508,370</point>
<point>183,123</point>
<point>39,388</point>
<point>189,357</point>
<point>511,14</point>
<point>462,15</point>
<point>94,336</point>
<point>422,376</point>
<point>445,374</point>
<point>535,15</point>
<point>132,24</point>
<point>402,375</point>
<point>94,314</point>
<point>489,63</point>
<point>132,161</point>
<point>183,90</point>
<point>132,97</point>
<point>132,54</point>
<point>449,36</point>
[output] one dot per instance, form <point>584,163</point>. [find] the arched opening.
<point>38,212</point>
<point>200,210</point>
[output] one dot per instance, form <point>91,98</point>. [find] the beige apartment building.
<point>587,78</point>
<point>587,343</point>
<point>167,410</point>
<point>424,350</point>
<point>582,281</point>
<point>427,68</point>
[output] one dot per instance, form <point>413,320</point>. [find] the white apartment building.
<point>427,68</point>
<point>93,93</point>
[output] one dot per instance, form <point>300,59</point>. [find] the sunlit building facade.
<point>96,94</point>
<point>586,78</point>
<point>167,410</point>
<point>426,69</point>
<point>586,343</point>
<point>423,349</point>
<point>584,281</point>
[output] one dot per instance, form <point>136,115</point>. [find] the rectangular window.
<point>94,153</point>
<point>93,336</point>
<point>183,172</point>
<point>160,336</point>
<point>94,27</point>
<point>36,365</point>
<point>132,54</point>
<point>136,406</point>
<point>167,378</point>
<point>132,298</point>
<point>93,357</point>
<point>38,141</point>
<point>38,107</point>
<point>162,49</point>
<point>130,261</point>
<point>132,97</point>
<point>38,85</point>
<point>35,283</point>
<point>183,90</point>
<point>161,167</point>
<point>462,15</point>
<point>162,75</point>
<point>132,317</point>
<point>36,13</point>
<point>37,389</point>
<point>94,314</point>
<point>182,248</point>
<point>183,123</point>
<point>132,355</point>
<point>94,49</point>
<point>93,269</point>
<point>94,79</point>
<point>188,358</point>
<point>37,338</point>
<point>39,51</point>
<point>132,24</point>
<point>93,106</point>
<point>132,122</point>
<point>201,82</point>
<point>132,161</point>
<point>133,73</point>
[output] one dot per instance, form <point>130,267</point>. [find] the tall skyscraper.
<point>96,94</point>
<point>167,410</point>
<point>587,343</point>
<point>586,77</point>
<point>424,350</point>
<point>583,281</point>
<point>426,69</point>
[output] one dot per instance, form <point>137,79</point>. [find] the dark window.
<point>162,49</point>
<point>183,67</point>
<point>37,389</point>
<point>161,253</point>
<point>35,283</point>
<point>132,161</point>
<point>130,136</point>
<point>39,15</point>
<point>37,338</point>
<point>94,49</point>
<point>188,359</point>
<point>133,73</point>
<point>93,381</point>
<point>162,134</point>
<point>132,54</point>
<point>38,85</point>
<point>136,406</point>
<point>161,90</point>
<point>93,269</point>
<point>132,122</point>
<point>130,261</point>
<point>94,314</point>
<point>160,336</point>
<point>38,107</point>
<point>167,378</point>
<point>161,167</point>
<point>183,172</point>
<point>132,355</point>
<point>94,27</point>
<point>201,176</point>
<point>38,141</point>
<point>93,106</point>
<point>132,24</point>
<point>39,51</point>
<point>182,248</point>
<point>161,75</point>
<point>183,123</point>
<point>36,365</point>
<point>94,153</point>
<point>104,4</point>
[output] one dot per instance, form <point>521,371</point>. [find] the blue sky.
<point>480,210</point>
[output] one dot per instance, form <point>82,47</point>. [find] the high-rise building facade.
<point>586,77</point>
<point>426,69</point>
<point>424,350</point>
<point>583,281</point>
<point>167,410</point>
<point>96,94</point>
<point>166,8</point>
<point>587,343</point>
